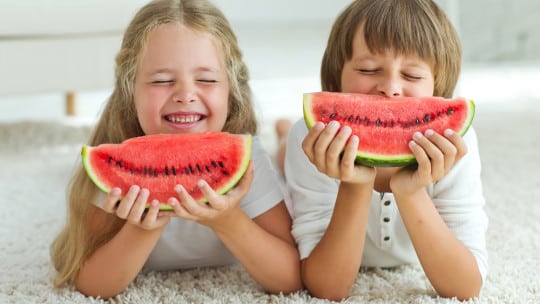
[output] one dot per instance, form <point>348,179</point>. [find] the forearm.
<point>115,265</point>
<point>448,264</point>
<point>332,267</point>
<point>271,261</point>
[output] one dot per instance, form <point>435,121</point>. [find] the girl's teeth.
<point>184,119</point>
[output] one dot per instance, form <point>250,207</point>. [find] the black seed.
<point>173,171</point>
<point>366,121</point>
<point>351,118</point>
<point>155,173</point>
<point>145,171</point>
<point>207,169</point>
<point>119,164</point>
<point>417,121</point>
<point>378,122</point>
<point>199,168</point>
<point>214,164</point>
<point>166,170</point>
<point>191,169</point>
<point>226,173</point>
<point>427,118</point>
<point>450,111</point>
<point>221,164</point>
<point>110,160</point>
<point>358,119</point>
<point>333,115</point>
<point>185,171</point>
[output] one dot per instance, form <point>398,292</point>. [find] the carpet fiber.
<point>37,159</point>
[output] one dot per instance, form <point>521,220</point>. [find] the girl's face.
<point>386,73</point>
<point>181,85</point>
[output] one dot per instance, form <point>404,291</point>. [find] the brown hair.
<point>119,118</point>
<point>407,27</point>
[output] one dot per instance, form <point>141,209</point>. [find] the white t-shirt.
<point>187,244</point>
<point>458,198</point>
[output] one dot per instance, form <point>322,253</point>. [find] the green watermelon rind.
<point>381,161</point>
<point>85,153</point>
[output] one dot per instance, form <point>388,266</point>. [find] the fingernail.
<point>178,188</point>
<point>333,124</point>
<point>448,132</point>
<point>116,191</point>
<point>134,188</point>
<point>412,144</point>
<point>201,183</point>
<point>429,132</point>
<point>417,135</point>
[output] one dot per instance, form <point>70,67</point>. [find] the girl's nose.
<point>184,94</point>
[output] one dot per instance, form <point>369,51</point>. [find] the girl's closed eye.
<point>162,81</point>
<point>207,80</point>
<point>411,76</point>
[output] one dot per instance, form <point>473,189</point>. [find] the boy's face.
<point>386,73</point>
<point>181,85</point>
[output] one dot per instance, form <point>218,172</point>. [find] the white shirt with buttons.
<point>458,198</point>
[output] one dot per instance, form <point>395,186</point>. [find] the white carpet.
<point>36,160</point>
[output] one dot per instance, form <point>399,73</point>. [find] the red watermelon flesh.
<point>385,125</point>
<point>159,162</point>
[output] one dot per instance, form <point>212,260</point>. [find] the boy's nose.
<point>389,88</point>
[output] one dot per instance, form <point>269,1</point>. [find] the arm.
<point>330,269</point>
<point>264,245</point>
<point>446,255</point>
<point>113,266</point>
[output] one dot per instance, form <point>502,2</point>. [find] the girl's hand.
<point>132,208</point>
<point>324,145</point>
<point>219,209</point>
<point>436,155</point>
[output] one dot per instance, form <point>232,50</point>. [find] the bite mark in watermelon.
<point>159,162</point>
<point>385,125</point>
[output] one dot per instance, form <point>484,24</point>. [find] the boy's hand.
<point>219,209</point>
<point>436,155</point>
<point>132,207</point>
<point>324,145</point>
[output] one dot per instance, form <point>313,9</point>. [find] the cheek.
<point>352,82</point>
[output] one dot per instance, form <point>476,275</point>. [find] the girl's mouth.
<point>183,119</point>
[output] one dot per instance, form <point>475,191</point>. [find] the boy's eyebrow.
<point>169,70</point>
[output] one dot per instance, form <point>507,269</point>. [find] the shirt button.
<point>387,203</point>
<point>386,219</point>
<point>387,238</point>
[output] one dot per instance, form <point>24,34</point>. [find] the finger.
<point>322,144</point>
<point>138,208</point>
<point>127,202</point>
<point>112,200</point>
<point>192,207</point>
<point>424,164</point>
<point>447,148</point>
<point>214,199</point>
<point>151,214</point>
<point>177,208</point>
<point>349,157</point>
<point>458,142</point>
<point>309,141</point>
<point>335,149</point>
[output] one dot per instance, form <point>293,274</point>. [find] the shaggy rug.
<point>37,159</point>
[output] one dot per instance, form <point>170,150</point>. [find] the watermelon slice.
<point>159,162</point>
<point>386,125</point>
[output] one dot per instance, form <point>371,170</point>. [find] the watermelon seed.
<point>358,119</point>
<point>110,159</point>
<point>185,171</point>
<point>166,170</point>
<point>333,115</point>
<point>226,173</point>
<point>214,164</point>
<point>221,164</point>
<point>450,111</point>
<point>427,118</point>
<point>417,121</point>
<point>378,122</point>
<point>207,169</point>
<point>199,168</point>
<point>351,118</point>
<point>191,169</point>
<point>173,171</point>
<point>119,164</point>
<point>366,121</point>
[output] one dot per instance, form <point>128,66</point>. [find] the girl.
<point>348,216</point>
<point>179,70</point>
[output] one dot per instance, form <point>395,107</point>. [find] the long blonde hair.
<point>407,27</point>
<point>119,118</point>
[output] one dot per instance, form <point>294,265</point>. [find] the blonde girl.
<point>179,70</point>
